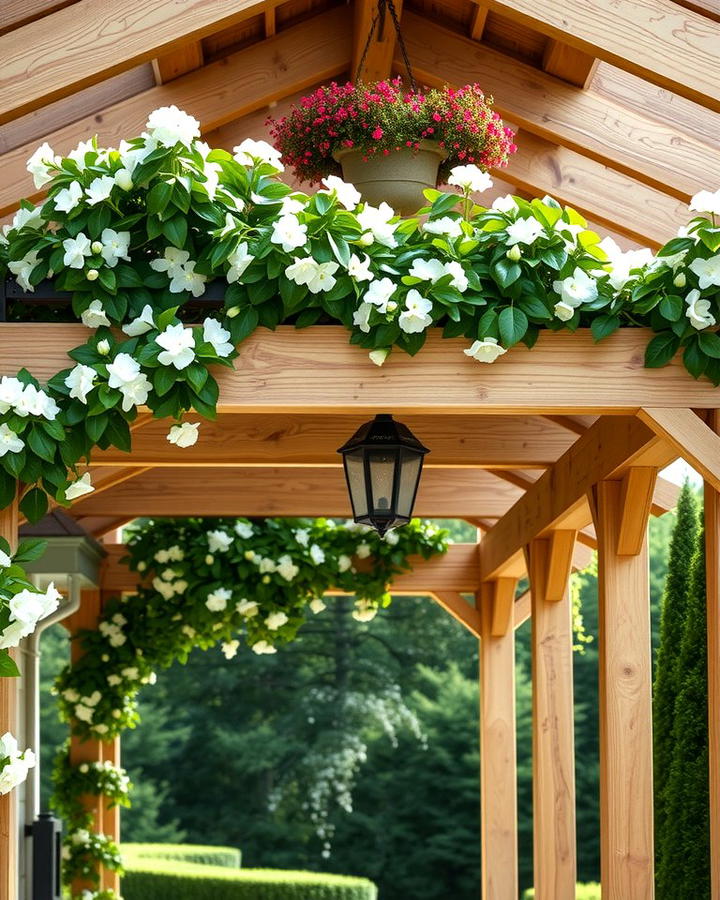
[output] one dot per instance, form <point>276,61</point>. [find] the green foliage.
<point>174,880</point>
<point>590,891</point>
<point>137,855</point>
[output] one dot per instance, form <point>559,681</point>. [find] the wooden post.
<point>626,781</point>
<point>712,562</point>
<point>9,836</point>
<point>498,769</point>
<point>111,817</point>
<point>554,853</point>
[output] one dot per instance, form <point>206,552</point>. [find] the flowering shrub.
<point>84,850</point>
<point>381,118</point>
<point>74,782</point>
<point>14,764</point>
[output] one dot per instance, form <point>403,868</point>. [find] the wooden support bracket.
<point>560,561</point>
<point>501,600</point>
<point>454,603</point>
<point>637,494</point>
<point>694,440</point>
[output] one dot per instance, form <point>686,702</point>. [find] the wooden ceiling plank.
<point>655,39</point>
<point>709,8</point>
<point>16,13</point>
<point>594,125</point>
<point>569,63</point>
<point>218,93</point>
<point>478,22</point>
<point>181,61</point>
<point>379,51</point>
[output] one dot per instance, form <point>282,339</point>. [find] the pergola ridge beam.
<point>694,440</point>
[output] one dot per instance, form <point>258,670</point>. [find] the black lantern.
<point>383,461</point>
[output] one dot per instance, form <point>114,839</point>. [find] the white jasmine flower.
<point>243,530</point>
<point>348,195</point>
<point>317,555</point>
<point>317,605</point>
<point>84,713</point>
<point>415,317</point>
<point>317,276</point>
<point>115,246</point>
<point>81,381</point>
<point>364,611</point>
<point>289,233</point>
<point>230,648</point>
<point>379,356</point>
<point>22,269</point>
<point>170,126</point>
<point>302,536</point>
<point>135,392</point>
<point>359,269</point>
<point>470,178</point>
<point>262,647</point>
<point>101,728</point>
<point>103,347</point>
<point>68,198</point>
<point>379,293</point>
<point>392,538</point>
<point>361,317</point>
<point>183,435</point>
<point>79,487</point>
<point>265,564</point>
<point>622,263</point>
<point>122,370</point>
<point>707,270</point>
<point>427,269</point>
<point>5,560</point>
<point>524,231</point>
<point>247,608</point>
<point>445,225</point>
<point>35,402</point>
<point>141,324</point>
<point>123,179</point>
<point>27,218</point>
<point>99,189</point>
<point>40,164</point>
<point>71,695</point>
<point>76,249</point>
<point>219,541</point>
<point>291,205</point>
<point>178,346</point>
<point>698,311</point>
<point>94,316</point>
<point>486,350</point>
<point>344,563</point>
<point>114,680</point>
<point>11,390</point>
<point>239,260</point>
<point>362,551</point>
<point>574,290</point>
<point>172,262</point>
<point>564,311</point>
<point>130,672</point>
<point>276,620</point>
<point>375,222</point>
<point>218,337</point>
<point>505,204</point>
<point>249,152</point>
<point>706,201</point>
<point>458,277</point>
<point>286,568</point>
<point>80,152</point>
<point>187,279</point>
<point>166,590</point>
<point>217,600</point>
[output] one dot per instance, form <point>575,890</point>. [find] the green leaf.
<point>41,444</point>
<point>196,375</point>
<point>505,272</point>
<point>661,349</point>
<point>555,257</point>
<point>694,359</point>
<point>671,307</point>
<point>34,505</point>
<point>513,324</point>
<point>535,308</point>
<point>8,667</point>
<point>30,550</point>
<point>118,433</point>
<point>244,324</point>
<point>709,343</point>
<point>164,378</point>
<point>8,488</point>
<point>95,426</point>
<point>604,326</point>
<point>175,230</point>
<point>443,204</point>
<point>158,197</point>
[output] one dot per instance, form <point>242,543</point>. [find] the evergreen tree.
<point>667,672</point>
<point>684,868</point>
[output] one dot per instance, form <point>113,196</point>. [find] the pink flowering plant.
<point>383,117</point>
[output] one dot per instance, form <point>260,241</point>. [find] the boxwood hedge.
<point>134,854</point>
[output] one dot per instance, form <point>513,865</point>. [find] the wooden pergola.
<point>551,452</point>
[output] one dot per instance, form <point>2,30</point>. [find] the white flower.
<point>218,337</point>
<point>102,728</point>
<point>122,370</point>
<point>317,276</point>
<point>68,198</point>
<point>458,277</point>
<point>70,695</point>
<point>291,205</point>
<point>564,311</point>
<point>244,530</point>
<point>135,392</point>
<point>362,551</point>
<point>524,231</point>
<point>286,568</point>
<point>79,487</point>
<point>99,189</point>
<point>80,152</point>
<point>364,611</point>
<point>5,560</point>
<point>171,262</point>
<point>375,223</point>
<point>187,279</point>
<point>347,194</point>
<point>184,435</point>
<point>415,317</point>
<point>130,672</point>
<point>239,260</point>
<point>40,163</point>
<point>505,204</point>
<point>359,269</point>
<point>379,356</point>
<point>217,600</point>
<point>486,350</point>
<point>141,324</point>
<point>94,316</point>
<point>170,125</point>
<point>698,311</point>
<point>707,270</point>
<point>34,402</point>
<point>289,233</point>
<point>445,225</point>
<point>230,649</point>
<point>116,245</point>
<point>262,647</point>
<point>178,346</point>
<point>250,151</point>
<point>361,317</point>
<point>392,538</point>
<point>22,269</point>
<point>427,269</point>
<point>265,564</point>
<point>219,541</point>
<point>317,555</point>
<point>27,607</point>
<point>103,347</point>
<point>84,713</point>
<point>470,178</point>
<point>344,563</point>
<point>11,390</point>
<point>247,608</point>
<point>317,605</point>
<point>9,441</point>
<point>76,249</point>
<point>276,620</point>
<point>81,381</point>
<point>379,293</point>
<point>621,263</point>
<point>706,201</point>
<point>27,218</point>
<point>166,590</point>
<point>123,179</point>
<point>574,290</point>
<point>302,536</point>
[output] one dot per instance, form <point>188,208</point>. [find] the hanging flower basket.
<point>391,143</point>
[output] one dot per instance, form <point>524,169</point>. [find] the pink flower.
<point>378,133</point>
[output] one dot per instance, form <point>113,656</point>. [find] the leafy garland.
<point>207,581</point>
<point>136,233</point>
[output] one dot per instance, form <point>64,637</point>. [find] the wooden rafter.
<point>670,46</point>
<point>569,63</point>
<point>379,55</point>
<point>179,62</point>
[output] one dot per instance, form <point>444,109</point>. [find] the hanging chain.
<point>377,23</point>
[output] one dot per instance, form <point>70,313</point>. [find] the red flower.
<point>378,133</point>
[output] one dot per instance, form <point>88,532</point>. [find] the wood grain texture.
<point>669,46</point>
<point>712,566</point>
<point>637,494</point>
<point>297,440</point>
<point>458,607</point>
<point>554,854</point>
<point>15,13</point>
<point>502,603</point>
<point>179,62</point>
<point>698,444</point>
<point>626,779</point>
<point>498,765</point>
<point>218,93</point>
<point>569,63</point>
<point>557,565</point>
<point>89,41</point>
<point>379,55</point>
<point>316,371</point>
<point>110,821</point>
<point>444,493</point>
<point>602,127</point>
<point>9,833</point>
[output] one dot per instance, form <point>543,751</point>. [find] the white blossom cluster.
<point>14,763</point>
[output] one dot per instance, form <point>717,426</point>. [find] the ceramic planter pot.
<point>399,178</point>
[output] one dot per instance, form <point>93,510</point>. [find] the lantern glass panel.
<point>409,475</point>
<point>382,478</point>
<point>355,472</point>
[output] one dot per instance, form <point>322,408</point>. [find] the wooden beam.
<point>184,59</point>
<point>88,42</point>
<point>673,48</point>
<point>298,440</point>
<point>596,126</point>
<point>20,12</point>
<point>317,371</point>
<point>498,766</point>
<point>444,493</point>
<point>694,440</point>
<point>637,493</point>
<point>626,785</point>
<point>315,50</point>
<point>477,25</point>
<point>522,610</point>
<point>454,603</point>
<point>558,564</point>
<point>9,829</point>
<point>569,63</point>
<point>379,54</point>
<point>110,815</point>
<point>712,565</point>
<point>555,866</point>
<point>501,598</point>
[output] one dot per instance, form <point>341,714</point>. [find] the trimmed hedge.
<point>175,880</point>
<point>137,854</point>
<point>590,891</point>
